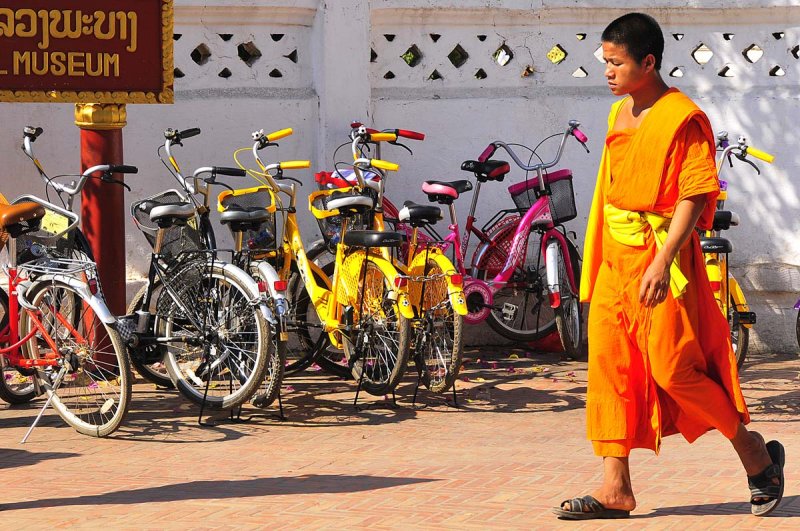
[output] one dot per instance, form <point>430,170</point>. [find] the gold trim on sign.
<point>100,116</point>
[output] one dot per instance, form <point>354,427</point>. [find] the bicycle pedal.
<point>509,311</point>
<point>747,318</point>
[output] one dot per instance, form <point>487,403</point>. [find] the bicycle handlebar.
<point>572,129</point>
<point>760,155</point>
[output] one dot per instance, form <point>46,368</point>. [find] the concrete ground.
<point>513,448</point>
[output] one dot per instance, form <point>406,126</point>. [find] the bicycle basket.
<point>330,221</point>
<point>561,198</point>
<point>55,236</point>
<point>178,238</point>
<point>248,199</point>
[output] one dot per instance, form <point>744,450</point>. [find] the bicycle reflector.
<point>400,281</point>
<point>93,286</point>
<point>280,285</point>
<point>457,279</point>
<point>262,286</point>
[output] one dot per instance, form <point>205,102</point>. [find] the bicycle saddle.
<point>445,191</point>
<point>244,219</point>
<point>20,213</point>
<point>725,219</point>
<point>349,203</point>
<point>491,170</point>
<point>166,214</point>
<point>419,215</point>
<point>715,245</point>
<point>372,238</point>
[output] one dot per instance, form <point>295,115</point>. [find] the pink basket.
<point>559,186</point>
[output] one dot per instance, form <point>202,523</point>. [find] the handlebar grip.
<point>277,135</point>
<point>382,137</point>
<point>577,133</point>
<point>189,133</point>
<point>487,153</point>
<point>231,172</point>
<point>384,165</point>
<point>413,135</point>
<point>122,168</point>
<point>760,155</point>
<point>295,164</point>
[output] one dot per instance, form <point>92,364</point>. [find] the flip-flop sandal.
<point>588,508</point>
<point>762,486</point>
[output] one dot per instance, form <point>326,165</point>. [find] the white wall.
<point>334,81</point>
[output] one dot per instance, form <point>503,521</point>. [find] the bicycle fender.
<point>551,266</point>
<point>270,276</point>
<point>400,296</point>
<point>251,284</point>
<point>95,302</point>
<point>456,292</point>
<point>738,297</point>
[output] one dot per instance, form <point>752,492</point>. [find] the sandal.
<point>588,508</point>
<point>762,486</point>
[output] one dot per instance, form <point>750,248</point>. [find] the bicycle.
<point>359,310</point>
<point>204,318</point>
<point>57,330</point>
<point>716,249</point>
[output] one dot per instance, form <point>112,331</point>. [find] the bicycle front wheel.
<point>378,346</point>
<point>522,310</point>
<point>15,387</point>
<point>740,335</point>
<point>219,342</point>
<point>568,314</point>
<point>90,385</point>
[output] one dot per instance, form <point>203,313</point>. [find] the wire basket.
<point>246,200</point>
<point>177,238</point>
<point>561,197</point>
<point>330,221</point>
<point>55,236</point>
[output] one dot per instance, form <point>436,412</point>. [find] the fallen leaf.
<point>513,357</point>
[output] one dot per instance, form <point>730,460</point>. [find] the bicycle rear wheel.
<point>270,388</point>
<point>91,386</point>
<point>221,348</point>
<point>378,346</point>
<point>149,360</point>
<point>740,335</point>
<point>438,342</point>
<point>15,387</point>
<point>569,319</point>
<point>522,310</point>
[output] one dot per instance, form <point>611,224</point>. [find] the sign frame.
<point>165,95</point>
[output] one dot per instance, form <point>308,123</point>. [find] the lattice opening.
<point>728,36</point>
<point>503,55</point>
<point>598,54</point>
<point>373,57</point>
<point>389,36</point>
<point>777,71</point>
<point>677,36</point>
<point>580,72</point>
<point>275,73</point>
<point>753,53</point>
<point>412,56</point>
<point>727,71</point>
<point>796,51</point>
<point>435,75</point>
<point>388,75</point>
<point>225,73</point>
<point>702,54</point>
<point>201,54</point>
<point>778,35</point>
<point>276,36</point>
<point>557,54</point>
<point>249,53</point>
<point>529,70</point>
<point>676,72</point>
<point>177,36</point>
<point>292,56</point>
<point>225,36</point>
<point>480,74</point>
<point>482,38</point>
<point>178,73</point>
<point>458,56</point>
<point>580,36</point>
<point>434,36</point>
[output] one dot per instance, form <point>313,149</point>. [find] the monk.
<point>660,357</point>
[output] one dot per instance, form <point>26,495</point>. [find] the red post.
<point>102,204</point>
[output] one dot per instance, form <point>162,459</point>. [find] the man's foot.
<point>766,488</point>
<point>752,450</point>
<point>611,498</point>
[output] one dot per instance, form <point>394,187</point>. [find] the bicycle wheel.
<point>270,388</point>
<point>15,387</point>
<point>379,344</point>
<point>149,360</point>
<point>522,310</point>
<point>220,346</point>
<point>568,314</point>
<point>91,387</point>
<point>438,342</point>
<point>740,335</point>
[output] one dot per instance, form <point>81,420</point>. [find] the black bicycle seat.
<point>491,170</point>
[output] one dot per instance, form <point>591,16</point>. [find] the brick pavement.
<point>514,448</point>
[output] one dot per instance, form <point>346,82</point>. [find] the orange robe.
<point>657,371</point>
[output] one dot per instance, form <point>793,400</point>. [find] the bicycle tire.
<point>439,352</point>
<point>527,289</point>
<point>86,398</point>
<point>569,318</point>
<point>218,299</point>
<point>155,373</point>
<point>382,333</point>
<point>15,387</point>
<point>740,337</point>
<point>270,388</point>
<point>797,328</point>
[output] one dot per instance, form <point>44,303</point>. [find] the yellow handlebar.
<point>277,135</point>
<point>295,164</point>
<point>761,155</point>
<point>384,165</point>
<point>383,137</point>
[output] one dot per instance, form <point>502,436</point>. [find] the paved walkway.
<point>514,448</point>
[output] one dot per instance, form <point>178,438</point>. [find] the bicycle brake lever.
<point>396,143</point>
<point>744,158</point>
<point>585,146</point>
